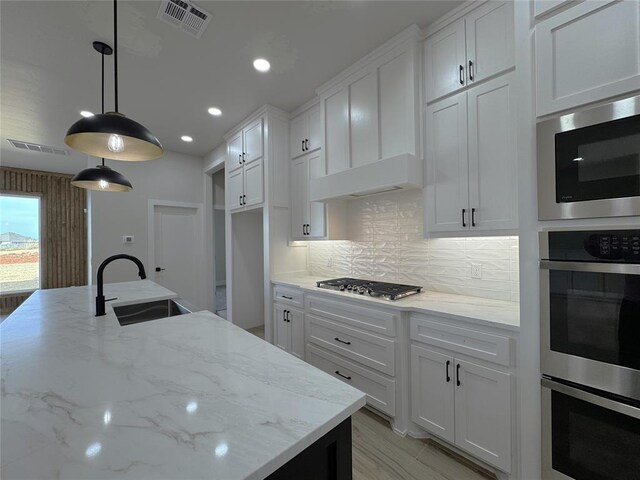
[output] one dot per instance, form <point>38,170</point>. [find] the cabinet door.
<point>447,205</point>
<point>297,135</point>
<point>490,40</point>
<point>299,198</point>
<point>283,331</point>
<point>253,141</point>
<point>483,413</point>
<point>336,131</point>
<point>445,61</point>
<point>587,53</point>
<point>296,327</point>
<point>235,189</point>
<point>492,155</point>
<point>253,184</point>
<point>432,391</point>
<point>313,128</point>
<point>234,153</point>
<point>316,217</point>
<point>363,119</point>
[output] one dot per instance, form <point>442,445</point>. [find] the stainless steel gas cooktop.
<point>389,291</point>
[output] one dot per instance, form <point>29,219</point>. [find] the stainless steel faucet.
<point>100,295</point>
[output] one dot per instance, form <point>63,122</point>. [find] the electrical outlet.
<point>476,270</point>
<point>128,239</point>
<point>330,262</point>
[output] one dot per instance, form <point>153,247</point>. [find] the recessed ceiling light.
<point>86,113</point>
<point>261,65</point>
<point>186,138</point>
<point>215,111</point>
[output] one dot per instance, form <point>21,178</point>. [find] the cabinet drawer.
<point>381,391</point>
<point>345,312</point>
<point>485,346</point>
<point>370,350</point>
<point>290,296</point>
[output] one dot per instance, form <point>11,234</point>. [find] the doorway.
<point>175,243</point>
<point>219,244</point>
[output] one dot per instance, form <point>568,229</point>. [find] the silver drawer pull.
<point>342,341</point>
<point>343,376</point>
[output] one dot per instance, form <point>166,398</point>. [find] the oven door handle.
<point>603,402</point>
<point>623,268</point>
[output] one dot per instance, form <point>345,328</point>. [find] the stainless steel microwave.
<point>589,163</point>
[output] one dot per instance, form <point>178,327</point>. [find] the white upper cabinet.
<point>447,185</point>
<point>492,155</point>
<point>369,112</point>
<point>445,60</point>
<point>490,40</point>
<point>304,132</point>
<point>470,50</point>
<point>471,182</point>
<point>587,53</point>
<point>245,167</point>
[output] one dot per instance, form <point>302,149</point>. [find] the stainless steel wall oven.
<point>590,353</point>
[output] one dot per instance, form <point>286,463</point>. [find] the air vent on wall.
<point>184,15</point>
<point>34,147</point>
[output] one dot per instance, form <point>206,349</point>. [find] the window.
<point>19,243</point>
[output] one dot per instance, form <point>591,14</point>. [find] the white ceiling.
<point>168,79</point>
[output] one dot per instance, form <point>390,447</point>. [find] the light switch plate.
<point>476,270</point>
<point>128,239</point>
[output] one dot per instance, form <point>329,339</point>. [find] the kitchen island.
<point>185,397</point>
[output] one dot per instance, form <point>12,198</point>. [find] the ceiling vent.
<point>34,147</point>
<point>185,16</point>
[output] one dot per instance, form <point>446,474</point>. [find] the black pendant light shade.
<point>112,135</point>
<point>101,178</point>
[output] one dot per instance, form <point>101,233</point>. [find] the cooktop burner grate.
<point>389,291</point>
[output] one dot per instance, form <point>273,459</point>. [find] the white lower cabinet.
<point>289,329</point>
<point>463,403</point>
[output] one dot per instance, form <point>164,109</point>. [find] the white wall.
<point>174,177</point>
<point>386,243</point>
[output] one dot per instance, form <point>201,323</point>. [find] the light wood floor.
<point>380,454</point>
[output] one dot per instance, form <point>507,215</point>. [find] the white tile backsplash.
<point>388,244</point>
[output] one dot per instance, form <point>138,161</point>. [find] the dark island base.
<point>327,459</point>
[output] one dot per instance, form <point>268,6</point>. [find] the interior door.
<point>445,61</point>
<point>297,135</point>
<point>235,189</point>
<point>492,155</point>
<point>175,254</point>
<point>316,216</point>
<point>313,128</point>
<point>283,330</point>
<point>234,152</point>
<point>447,165</point>
<point>483,413</point>
<point>253,184</point>
<point>253,141</point>
<point>432,391</point>
<point>490,40</point>
<point>299,198</point>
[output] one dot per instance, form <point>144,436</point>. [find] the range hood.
<point>394,173</point>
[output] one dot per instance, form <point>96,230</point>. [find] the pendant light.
<point>101,177</point>
<point>111,134</point>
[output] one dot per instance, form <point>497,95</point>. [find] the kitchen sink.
<point>144,312</point>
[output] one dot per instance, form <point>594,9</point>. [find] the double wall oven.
<point>590,354</point>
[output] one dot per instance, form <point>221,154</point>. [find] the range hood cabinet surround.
<point>399,172</point>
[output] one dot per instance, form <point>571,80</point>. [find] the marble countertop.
<point>191,396</point>
<point>497,313</point>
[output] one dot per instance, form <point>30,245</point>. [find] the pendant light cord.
<point>102,89</point>
<point>115,50</point>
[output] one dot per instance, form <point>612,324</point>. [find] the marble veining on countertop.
<point>498,313</point>
<point>191,396</point>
